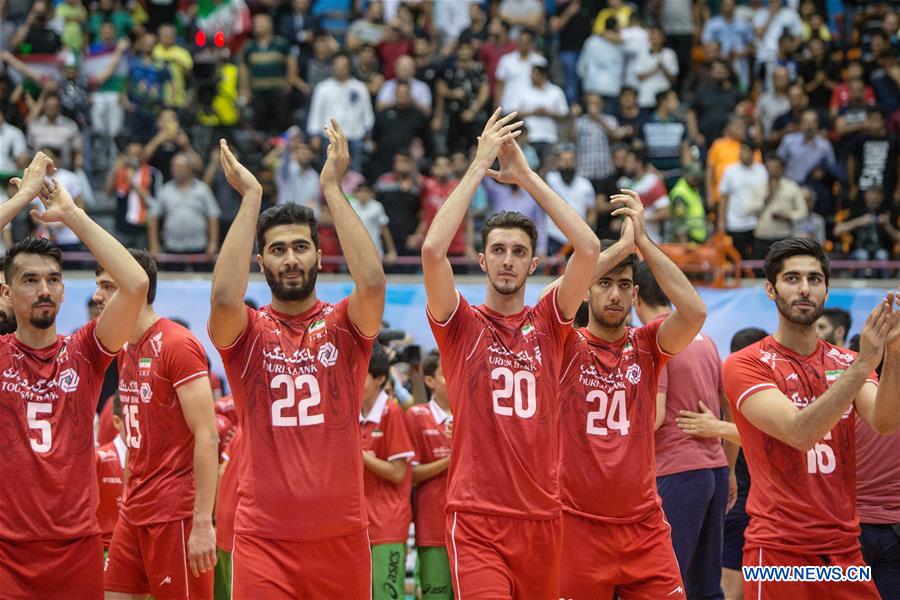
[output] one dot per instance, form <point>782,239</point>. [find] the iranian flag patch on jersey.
<point>831,376</point>
<point>145,363</point>
<point>317,326</point>
<point>527,328</point>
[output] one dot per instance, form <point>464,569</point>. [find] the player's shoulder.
<point>107,452</point>
<point>835,356</point>
<point>418,410</point>
<point>761,351</point>
<point>169,334</point>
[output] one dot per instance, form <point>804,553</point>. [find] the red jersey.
<point>502,374</point>
<point>803,500</point>
<point>106,431</point>
<point>160,484</point>
<point>383,431</point>
<point>48,398</point>
<point>434,194</point>
<point>608,395</point>
<point>877,476</point>
<point>297,383</point>
<point>429,427</point>
<point>111,479</point>
<point>225,406</point>
<point>227,502</point>
<point>225,430</point>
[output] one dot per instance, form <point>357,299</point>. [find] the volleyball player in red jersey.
<point>50,541</point>
<point>164,543</point>
<point>795,401</point>
<point>616,540</point>
<point>296,369</point>
<point>111,476</point>
<point>431,428</point>
<point>502,365</point>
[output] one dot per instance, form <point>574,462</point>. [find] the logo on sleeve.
<point>68,380</point>
<point>156,343</point>
<point>328,354</point>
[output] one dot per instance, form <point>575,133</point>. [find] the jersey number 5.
<point>524,402</point>
<point>291,385</point>
<point>35,409</point>
<point>612,412</point>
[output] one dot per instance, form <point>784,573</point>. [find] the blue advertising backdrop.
<point>188,299</point>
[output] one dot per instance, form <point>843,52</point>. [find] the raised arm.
<point>115,323</point>
<point>684,323</point>
<point>228,314</point>
<point>30,185</point>
<point>776,415</point>
<point>367,299</point>
<point>880,408</point>
<point>608,258</point>
<point>440,289</point>
<point>514,169</point>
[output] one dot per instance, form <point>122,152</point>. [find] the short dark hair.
<point>30,245</point>
<point>785,249</point>
<point>648,288</point>
<point>508,219</point>
<point>662,95</point>
<point>116,405</point>
<point>379,362</point>
<point>528,31</point>
<point>431,363</point>
<point>838,317</point>
<point>286,214</point>
<point>181,322</point>
<point>745,337</point>
<point>628,261</point>
<point>148,264</point>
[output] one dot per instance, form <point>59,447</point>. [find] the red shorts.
<point>632,560</point>
<point>803,590</point>
<point>498,557</point>
<point>337,568</point>
<point>67,569</point>
<point>152,559</point>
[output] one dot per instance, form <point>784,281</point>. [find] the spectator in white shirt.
<point>576,190</point>
<point>601,65</point>
<point>735,189</point>
<point>405,69</point>
<point>346,100</point>
<point>13,147</point>
<point>295,178</point>
<point>371,213</point>
<point>540,106</point>
<point>513,72</point>
<point>656,69</point>
<point>769,24</point>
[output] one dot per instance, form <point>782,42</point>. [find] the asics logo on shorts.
<point>678,590</point>
<point>166,581</point>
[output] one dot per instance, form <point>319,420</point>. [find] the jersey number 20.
<point>292,385</point>
<point>524,401</point>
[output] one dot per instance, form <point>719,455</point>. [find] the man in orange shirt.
<point>723,153</point>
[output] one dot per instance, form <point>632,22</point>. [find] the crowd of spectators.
<point>760,120</point>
